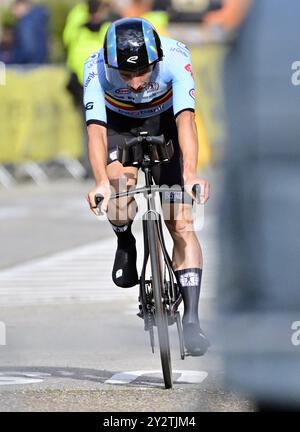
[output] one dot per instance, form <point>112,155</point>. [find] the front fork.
<point>171,295</point>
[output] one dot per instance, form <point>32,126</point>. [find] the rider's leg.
<point>187,263</point>
<point>123,210</point>
<point>121,213</point>
<point>187,251</point>
<point>187,258</point>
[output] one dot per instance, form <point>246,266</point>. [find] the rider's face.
<point>137,81</point>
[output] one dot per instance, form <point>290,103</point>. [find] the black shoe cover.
<point>124,272</point>
<point>195,341</point>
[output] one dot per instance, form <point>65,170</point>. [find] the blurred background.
<point>245,57</point>
<point>48,41</point>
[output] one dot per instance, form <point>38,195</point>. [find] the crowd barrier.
<point>207,67</point>
<point>38,120</point>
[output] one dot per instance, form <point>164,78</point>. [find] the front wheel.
<point>161,317</point>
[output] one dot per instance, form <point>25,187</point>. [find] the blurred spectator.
<point>230,16</point>
<point>84,33</point>
<point>182,11</point>
<point>7,44</point>
<point>162,4</point>
<point>145,8</point>
<point>31,33</point>
<point>260,211</point>
<point>138,8</point>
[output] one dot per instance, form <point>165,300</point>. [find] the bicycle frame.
<point>152,214</point>
<point>159,299</point>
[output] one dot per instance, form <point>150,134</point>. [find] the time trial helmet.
<point>132,44</point>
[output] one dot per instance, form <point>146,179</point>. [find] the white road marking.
<point>186,376</point>
<point>35,374</point>
<point>82,274</point>
<point>123,378</point>
<point>91,377</point>
<point>66,374</point>
<point>192,377</point>
<point>79,275</point>
<point>16,380</point>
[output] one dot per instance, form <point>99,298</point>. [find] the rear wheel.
<point>161,317</point>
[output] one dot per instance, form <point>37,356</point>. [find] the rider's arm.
<point>184,110</point>
<point>188,142</point>
<point>95,119</point>
<point>97,150</point>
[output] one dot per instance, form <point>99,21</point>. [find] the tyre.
<point>160,311</point>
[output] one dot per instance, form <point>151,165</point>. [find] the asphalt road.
<point>70,340</point>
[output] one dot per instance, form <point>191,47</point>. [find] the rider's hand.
<point>204,185</point>
<point>101,189</point>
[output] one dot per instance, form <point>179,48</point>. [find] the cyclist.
<point>141,82</point>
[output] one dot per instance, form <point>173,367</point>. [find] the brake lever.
<point>196,189</point>
<point>98,199</point>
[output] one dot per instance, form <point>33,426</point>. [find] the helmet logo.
<point>132,59</point>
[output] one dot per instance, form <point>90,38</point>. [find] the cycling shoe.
<point>195,341</point>
<point>124,272</point>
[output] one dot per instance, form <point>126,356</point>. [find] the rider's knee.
<point>123,210</point>
<point>180,228</point>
